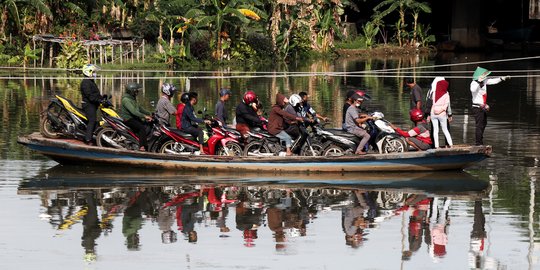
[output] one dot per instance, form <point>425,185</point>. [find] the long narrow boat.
<point>67,152</point>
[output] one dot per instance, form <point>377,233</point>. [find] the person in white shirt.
<point>479,99</point>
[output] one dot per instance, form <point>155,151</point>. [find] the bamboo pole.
<point>143,50</point>
<point>138,50</point>
<point>131,43</point>
<point>121,54</point>
<point>88,54</point>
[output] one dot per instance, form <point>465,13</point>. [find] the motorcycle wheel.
<point>46,128</point>
<point>255,148</point>
<point>394,145</point>
<point>317,149</point>
<point>233,148</point>
<point>333,150</point>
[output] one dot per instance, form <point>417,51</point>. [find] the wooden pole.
<point>121,54</point>
<point>34,43</point>
<point>88,54</point>
<point>112,54</point>
<point>138,50</point>
<point>143,50</point>
<point>42,53</point>
<point>131,44</point>
<point>51,54</point>
<point>100,54</point>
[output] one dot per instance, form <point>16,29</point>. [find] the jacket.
<point>188,117</point>
<point>278,117</point>
<point>131,109</point>
<point>90,91</point>
<point>247,115</point>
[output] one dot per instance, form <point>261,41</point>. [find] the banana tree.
<point>10,11</point>
<point>417,8</point>
<point>27,55</point>
<point>221,17</point>
<point>402,6</point>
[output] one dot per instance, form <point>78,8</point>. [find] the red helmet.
<point>416,115</point>
<point>250,97</point>
<point>363,95</point>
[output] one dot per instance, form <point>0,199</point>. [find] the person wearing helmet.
<point>307,109</point>
<point>189,121</point>
<point>184,98</point>
<point>479,99</point>
<point>346,105</point>
<point>419,136</point>
<point>277,120</point>
<point>134,115</point>
<point>91,98</point>
<point>246,113</point>
<point>294,107</point>
<point>164,107</point>
<point>221,114</point>
<point>354,120</point>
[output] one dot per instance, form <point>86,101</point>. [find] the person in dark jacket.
<point>277,120</point>
<point>134,115</point>
<point>91,98</point>
<point>189,119</point>
<point>246,113</point>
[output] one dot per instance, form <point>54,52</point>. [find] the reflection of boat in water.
<point>82,177</point>
<point>70,152</point>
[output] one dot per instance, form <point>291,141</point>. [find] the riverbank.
<point>386,50</point>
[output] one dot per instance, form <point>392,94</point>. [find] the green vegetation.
<point>181,32</point>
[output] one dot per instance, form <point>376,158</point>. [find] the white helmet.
<point>89,70</point>
<point>295,99</point>
<point>168,89</point>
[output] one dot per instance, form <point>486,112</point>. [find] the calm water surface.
<point>55,217</point>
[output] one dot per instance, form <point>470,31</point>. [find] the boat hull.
<point>72,152</point>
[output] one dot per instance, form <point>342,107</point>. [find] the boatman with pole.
<point>479,99</point>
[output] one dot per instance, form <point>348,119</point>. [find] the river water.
<point>83,217</point>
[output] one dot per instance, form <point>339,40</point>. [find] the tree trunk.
<point>160,37</point>
<point>415,23</point>
<point>4,21</point>
<point>402,25</point>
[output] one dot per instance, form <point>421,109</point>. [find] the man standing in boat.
<point>221,114</point>
<point>479,99</point>
<point>416,93</point>
<point>90,100</point>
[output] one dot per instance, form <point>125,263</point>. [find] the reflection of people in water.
<point>165,220</point>
<point>132,221</point>
<point>248,218</point>
<point>189,218</point>
<point>439,222</point>
<point>353,221</point>
<point>91,228</point>
<point>140,201</point>
<point>478,238</point>
<point>217,206</point>
<point>418,223</point>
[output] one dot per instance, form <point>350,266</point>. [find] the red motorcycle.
<point>218,141</point>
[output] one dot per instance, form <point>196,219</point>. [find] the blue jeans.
<point>285,137</point>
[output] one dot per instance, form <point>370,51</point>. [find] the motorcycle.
<point>383,138</point>
<point>63,118</point>
<point>262,143</point>
<point>117,134</point>
<point>220,141</point>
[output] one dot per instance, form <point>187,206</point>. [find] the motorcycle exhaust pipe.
<point>112,142</point>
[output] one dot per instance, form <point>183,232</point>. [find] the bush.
<point>261,44</point>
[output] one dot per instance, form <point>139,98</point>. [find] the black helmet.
<point>184,98</point>
<point>133,88</point>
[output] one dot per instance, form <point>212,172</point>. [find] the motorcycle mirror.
<point>152,103</point>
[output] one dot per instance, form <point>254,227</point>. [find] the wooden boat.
<point>67,151</point>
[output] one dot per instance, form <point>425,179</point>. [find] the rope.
<point>267,74</point>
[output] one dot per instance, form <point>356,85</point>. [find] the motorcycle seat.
<point>183,134</point>
<point>77,108</point>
